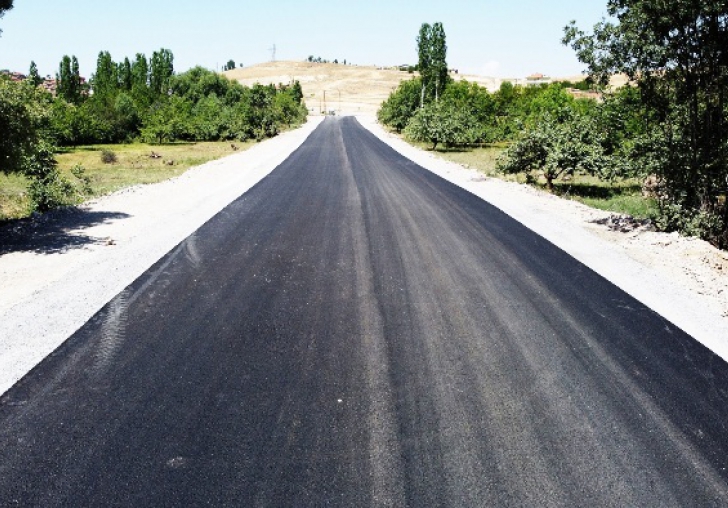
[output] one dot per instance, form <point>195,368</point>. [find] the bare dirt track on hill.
<point>350,89</point>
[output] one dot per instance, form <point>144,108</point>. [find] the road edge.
<point>681,307</point>
<point>34,327</point>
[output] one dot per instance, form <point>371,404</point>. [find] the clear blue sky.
<point>495,38</point>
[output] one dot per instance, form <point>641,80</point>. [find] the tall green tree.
<point>677,52</point>
<point>69,80</point>
<point>432,61</point>
<point>161,72</point>
<point>105,81</point>
<point>438,59</point>
<point>424,59</point>
<point>125,76</point>
<point>140,81</point>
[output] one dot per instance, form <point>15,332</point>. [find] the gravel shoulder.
<point>683,279</point>
<point>58,271</point>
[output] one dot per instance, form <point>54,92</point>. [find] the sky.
<point>485,37</point>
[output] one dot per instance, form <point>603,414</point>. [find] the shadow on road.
<point>54,232</point>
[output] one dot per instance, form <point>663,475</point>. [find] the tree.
<point>677,53</point>
<point>230,65</point>
<point>558,148</point>
<point>441,122</point>
<point>438,59</point>
<point>297,92</point>
<point>140,81</point>
<point>432,61</point>
<point>33,75</point>
<point>161,71</point>
<point>126,79</point>
<point>168,120</point>
<point>25,145</point>
<point>69,80</point>
<point>105,82</point>
<point>424,59</point>
<point>401,105</point>
<point>5,5</point>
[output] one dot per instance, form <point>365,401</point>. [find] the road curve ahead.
<point>355,331</point>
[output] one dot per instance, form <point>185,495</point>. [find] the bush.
<point>48,189</point>
<point>108,157</point>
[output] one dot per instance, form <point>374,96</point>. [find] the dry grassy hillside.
<point>350,89</point>
<point>336,87</point>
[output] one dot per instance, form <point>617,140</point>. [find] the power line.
<point>272,53</point>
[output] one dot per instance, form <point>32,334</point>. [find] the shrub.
<point>108,157</point>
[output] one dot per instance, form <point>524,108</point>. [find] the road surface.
<point>355,331</point>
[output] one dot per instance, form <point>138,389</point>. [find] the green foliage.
<point>69,80</point>
<point>129,100</point>
<point>677,52</point>
<point>559,148</point>
<point>47,189</point>
<point>168,120</point>
<point>161,70</point>
<point>432,61</point>
<point>24,121</point>
<point>105,82</point>
<point>441,122</point>
<point>79,172</point>
<point>33,75</point>
<point>401,105</point>
<point>230,65</point>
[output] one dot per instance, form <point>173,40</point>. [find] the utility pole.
<point>325,110</point>
<point>272,53</point>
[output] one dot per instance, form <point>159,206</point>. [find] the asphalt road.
<point>356,331</point>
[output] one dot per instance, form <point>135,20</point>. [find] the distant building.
<point>14,76</point>
<point>50,85</point>
<point>537,79</point>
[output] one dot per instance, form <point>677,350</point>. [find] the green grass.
<point>133,166</point>
<point>623,196</point>
<point>13,198</point>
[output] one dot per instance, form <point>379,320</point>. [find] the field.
<point>134,165</point>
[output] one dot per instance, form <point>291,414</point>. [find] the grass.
<point>13,198</point>
<point>133,166</point>
<point>623,196</point>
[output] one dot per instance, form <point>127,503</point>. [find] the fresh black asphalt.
<point>356,331</point>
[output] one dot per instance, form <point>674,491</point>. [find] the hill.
<point>341,88</point>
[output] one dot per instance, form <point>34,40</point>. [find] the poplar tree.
<point>125,76</point>
<point>424,58</point>
<point>438,59</point>
<point>432,61</point>
<point>69,80</point>
<point>105,81</point>
<point>161,72</point>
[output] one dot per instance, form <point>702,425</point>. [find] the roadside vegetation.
<point>656,148</point>
<point>92,138</point>
<point>88,174</point>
